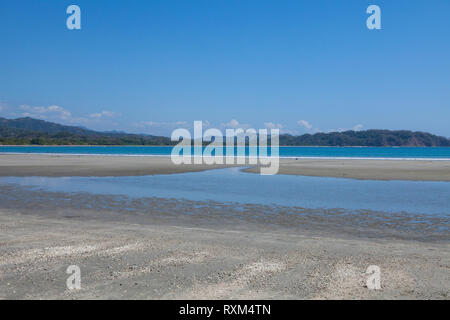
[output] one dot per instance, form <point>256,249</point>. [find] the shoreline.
<point>52,165</point>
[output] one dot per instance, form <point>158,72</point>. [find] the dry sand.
<point>73,165</point>
<point>366,169</point>
<point>89,165</point>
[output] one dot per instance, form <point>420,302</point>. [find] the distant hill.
<point>368,138</point>
<point>35,125</point>
<point>29,131</point>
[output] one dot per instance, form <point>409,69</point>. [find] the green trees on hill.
<point>28,131</point>
<point>369,138</point>
<point>13,132</point>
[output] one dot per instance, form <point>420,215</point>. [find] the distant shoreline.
<point>285,152</point>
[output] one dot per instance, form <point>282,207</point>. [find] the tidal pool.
<point>233,185</point>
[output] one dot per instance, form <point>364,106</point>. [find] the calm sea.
<point>314,152</point>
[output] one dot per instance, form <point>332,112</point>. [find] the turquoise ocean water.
<point>313,152</point>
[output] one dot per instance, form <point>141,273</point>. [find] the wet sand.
<point>73,165</point>
<point>120,260</point>
<point>154,248</point>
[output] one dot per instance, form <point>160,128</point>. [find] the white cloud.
<point>50,112</point>
<point>234,124</point>
<point>164,124</point>
<point>54,113</point>
<point>305,124</point>
<point>309,127</point>
<point>164,128</point>
<point>271,125</point>
<point>103,114</point>
<point>59,114</point>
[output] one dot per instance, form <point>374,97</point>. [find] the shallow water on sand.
<point>233,185</point>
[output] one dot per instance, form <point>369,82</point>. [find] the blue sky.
<point>153,66</point>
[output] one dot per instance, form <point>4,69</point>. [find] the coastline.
<point>58,165</point>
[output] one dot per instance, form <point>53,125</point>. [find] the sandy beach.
<point>225,150</point>
<point>120,260</point>
<point>413,170</point>
<point>82,165</point>
<point>155,248</point>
